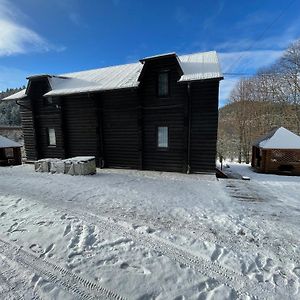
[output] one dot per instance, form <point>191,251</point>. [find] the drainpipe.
<point>189,129</point>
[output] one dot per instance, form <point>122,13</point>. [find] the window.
<point>48,101</point>
<point>163,84</point>
<point>163,137</point>
<point>51,137</point>
<point>9,152</point>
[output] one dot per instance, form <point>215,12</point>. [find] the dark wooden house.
<point>160,113</point>
<point>277,152</point>
<point>10,152</point>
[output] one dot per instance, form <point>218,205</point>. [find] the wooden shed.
<point>277,152</point>
<point>10,152</point>
<point>160,113</point>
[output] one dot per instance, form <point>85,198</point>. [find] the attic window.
<point>49,101</point>
<point>163,84</point>
<point>51,137</point>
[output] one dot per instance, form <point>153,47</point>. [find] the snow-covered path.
<point>148,235</point>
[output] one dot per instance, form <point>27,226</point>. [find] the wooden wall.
<point>204,119</point>
<point>81,126</point>
<point>121,112</point>
<point>28,129</point>
<point>169,111</point>
<point>46,116</point>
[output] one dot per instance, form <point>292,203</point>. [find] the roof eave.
<point>49,94</point>
<point>201,79</point>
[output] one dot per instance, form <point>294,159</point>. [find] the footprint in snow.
<point>137,269</point>
<point>36,248</point>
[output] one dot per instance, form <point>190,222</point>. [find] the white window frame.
<point>51,137</point>
<point>163,137</point>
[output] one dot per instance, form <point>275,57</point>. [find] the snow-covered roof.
<point>197,66</point>
<point>109,78</point>
<point>279,138</point>
<point>19,95</point>
<point>7,143</point>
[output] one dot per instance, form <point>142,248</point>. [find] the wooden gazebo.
<point>277,152</point>
<point>10,152</point>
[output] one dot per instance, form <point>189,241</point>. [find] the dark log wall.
<point>46,116</point>
<point>204,120</point>
<point>169,111</point>
<point>28,129</point>
<point>121,131</point>
<point>80,125</point>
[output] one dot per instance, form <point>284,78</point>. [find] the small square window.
<point>9,152</point>
<point>163,137</point>
<point>48,101</point>
<point>163,84</point>
<point>51,137</point>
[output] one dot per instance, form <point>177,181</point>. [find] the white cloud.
<point>16,38</point>
<point>247,55</point>
<point>247,62</point>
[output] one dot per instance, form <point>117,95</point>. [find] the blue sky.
<point>58,36</point>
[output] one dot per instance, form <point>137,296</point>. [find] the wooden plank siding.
<point>168,111</point>
<point>28,126</point>
<point>81,126</point>
<point>121,138</point>
<point>46,116</point>
<point>204,125</point>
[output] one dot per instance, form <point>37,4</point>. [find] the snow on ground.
<point>124,234</point>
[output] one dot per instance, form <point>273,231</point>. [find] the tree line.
<point>270,98</point>
<point>9,110</point>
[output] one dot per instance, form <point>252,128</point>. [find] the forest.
<point>9,110</point>
<point>258,103</point>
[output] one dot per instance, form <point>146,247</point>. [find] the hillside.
<point>241,123</point>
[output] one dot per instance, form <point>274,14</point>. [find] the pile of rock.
<point>79,165</point>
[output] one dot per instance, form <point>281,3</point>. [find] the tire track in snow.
<point>241,284</point>
<point>10,290</point>
<point>73,283</point>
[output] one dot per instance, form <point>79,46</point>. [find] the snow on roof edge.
<point>19,95</point>
<point>279,138</point>
<point>195,67</point>
<point>7,143</point>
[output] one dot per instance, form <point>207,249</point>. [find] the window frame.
<point>9,153</point>
<point>158,84</point>
<point>157,138</point>
<point>48,101</point>
<point>48,137</point>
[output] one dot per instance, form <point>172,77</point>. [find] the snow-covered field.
<point>148,235</point>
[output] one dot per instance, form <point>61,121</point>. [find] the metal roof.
<point>197,66</point>
<point>7,143</point>
<point>200,66</point>
<point>19,95</point>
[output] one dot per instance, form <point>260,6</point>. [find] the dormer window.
<point>48,101</point>
<point>163,84</point>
